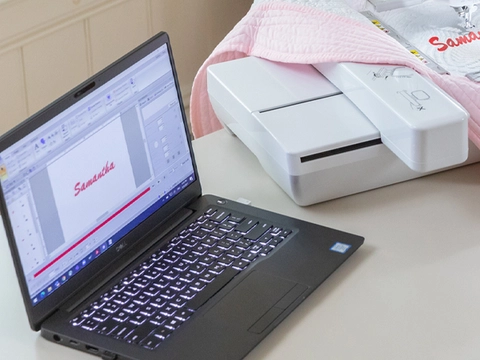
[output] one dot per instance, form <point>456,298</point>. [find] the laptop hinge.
<point>126,260</point>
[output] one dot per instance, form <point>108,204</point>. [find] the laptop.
<point>118,254</point>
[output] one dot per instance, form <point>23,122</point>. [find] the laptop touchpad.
<point>257,301</point>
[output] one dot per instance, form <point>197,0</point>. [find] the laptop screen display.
<point>84,179</point>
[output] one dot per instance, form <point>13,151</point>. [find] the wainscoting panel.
<point>49,46</point>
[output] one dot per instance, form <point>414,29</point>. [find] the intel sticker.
<point>340,247</point>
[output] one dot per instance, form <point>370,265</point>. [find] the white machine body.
<point>316,143</point>
<point>418,121</point>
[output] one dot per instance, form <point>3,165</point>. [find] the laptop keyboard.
<point>164,291</point>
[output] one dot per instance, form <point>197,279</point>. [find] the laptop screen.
<point>86,177</point>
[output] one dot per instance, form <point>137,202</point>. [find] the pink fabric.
<point>293,33</point>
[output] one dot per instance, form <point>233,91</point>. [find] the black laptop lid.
<point>83,179</point>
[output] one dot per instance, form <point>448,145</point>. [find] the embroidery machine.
<point>331,130</point>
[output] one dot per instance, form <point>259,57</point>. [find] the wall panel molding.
<point>49,46</point>
<point>24,21</point>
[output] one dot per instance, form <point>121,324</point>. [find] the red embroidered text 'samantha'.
<point>458,41</point>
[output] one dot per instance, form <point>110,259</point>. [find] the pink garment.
<point>292,33</point>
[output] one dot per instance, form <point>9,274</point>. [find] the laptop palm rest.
<point>257,301</point>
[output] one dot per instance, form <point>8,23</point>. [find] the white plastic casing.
<point>421,124</point>
<point>294,121</point>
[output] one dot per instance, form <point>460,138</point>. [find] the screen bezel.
<point>135,238</point>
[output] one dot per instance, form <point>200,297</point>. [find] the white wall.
<point>49,46</point>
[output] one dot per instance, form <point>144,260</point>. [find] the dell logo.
<point>121,246</point>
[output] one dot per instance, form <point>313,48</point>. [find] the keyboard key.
<point>275,241</point>
<point>121,299</point>
<point>208,226</point>
<point>209,241</point>
<point>100,316</point>
<point>88,312</point>
<point>89,324</point>
<point>216,268</point>
<point>151,342</point>
<point>225,260</point>
<point>167,293</point>
<point>162,332</point>
<point>236,218</point>
<point>178,302</point>
<point>137,319</point>
<point>220,216</point>
<point>234,236</point>
<point>190,242</point>
<point>158,319</point>
<point>258,231</point>
<point>152,274</point>
<point>265,250</point>
<point>158,302</point>
<point>199,234</point>
<point>77,321</point>
<point>206,260</point>
<point>171,274</point>
<point>131,290</point>
<point>183,314</point>
<point>152,291</point>
<point>171,257</point>
<point>187,277</point>
<point>256,248</point>
<point>207,277</point>
<point>123,330</point>
<point>178,285</point>
<point>190,258</point>
<point>162,265</point>
<point>180,250</point>
<point>200,250</point>
<point>240,264</point>
<point>168,310</point>
<point>132,308</point>
<point>196,269</point>
<point>285,233</point>
<point>225,244</point>
<point>141,332</point>
<point>264,240</point>
<point>148,310</point>
<point>121,316</point>
<point>249,256</point>
<point>218,234</point>
<point>137,272</point>
<point>107,327</point>
<point>141,299</point>
<point>198,286</point>
<point>234,252</point>
<point>172,324</point>
<point>161,283</point>
<point>243,244</point>
<point>227,227</point>
<point>246,225</point>
<point>111,307</point>
<point>187,293</point>
<point>215,251</point>
<point>181,266</point>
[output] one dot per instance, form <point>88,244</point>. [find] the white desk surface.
<point>410,292</point>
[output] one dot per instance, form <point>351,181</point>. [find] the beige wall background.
<point>49,46</point>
